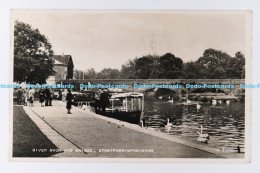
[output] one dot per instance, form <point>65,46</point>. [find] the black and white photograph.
<point>127,85</point>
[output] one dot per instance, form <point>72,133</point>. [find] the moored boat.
<point>126,106</point>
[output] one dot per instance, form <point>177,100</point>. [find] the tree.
<point>109,73</point>
<point>214,64</point>
<point>170,67</point>
<point>144,67</point>
<point>90,74</point>
<point>78,74</point>
<point>32,55</point>
<point>240,65</point>
<point>128,70</point>
<point>191,70</point>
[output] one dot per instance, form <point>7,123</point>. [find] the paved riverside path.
<point>86,130</point>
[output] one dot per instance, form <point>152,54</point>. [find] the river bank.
<point>97,135</point>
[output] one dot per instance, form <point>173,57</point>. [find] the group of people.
<point>46,95</point>
<point>101,101</point>
<point>25,96</point>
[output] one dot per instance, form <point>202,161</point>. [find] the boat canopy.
<point>129,95</point>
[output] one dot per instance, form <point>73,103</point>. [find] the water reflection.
<point>224,123</point>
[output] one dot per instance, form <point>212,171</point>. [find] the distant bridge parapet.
<point>154,81</point>
<point>130,82</point>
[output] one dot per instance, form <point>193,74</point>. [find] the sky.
<point>108,39</point>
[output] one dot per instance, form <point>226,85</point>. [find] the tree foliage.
<point>170,67</point>
<point>145,67</point>
<point>128,70</point>
<point>153,67</point>
<point>90,74</point>
<point>215,64</point>
<point>108,73</point>
<point>32,55</point>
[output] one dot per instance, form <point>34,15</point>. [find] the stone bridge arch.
<point>209,90</point>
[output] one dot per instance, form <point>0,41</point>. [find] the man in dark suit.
<point>47,96</point>
<point>69,99</point>
<point>104,100</point>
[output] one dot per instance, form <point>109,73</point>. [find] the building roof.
<point>56,62</point>
<point>62,58</point>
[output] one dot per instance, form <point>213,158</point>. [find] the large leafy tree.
<point>128,70</point>
<point>144,67</point>
<point>191,70</point>
<point>170,67</point>
<point>153,67</point>
<point>240,65</point>
<point>32,55</point>
<point>90,74</point>
<point>213,64</point>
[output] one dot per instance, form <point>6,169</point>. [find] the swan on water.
<point>168,123</point>
<point>202,137</point>
<point>141,123</point>
<point>171,101</point>
<point>168,126</point>
<point>198,106</point>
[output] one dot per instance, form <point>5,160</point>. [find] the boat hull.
<point>131,117</point>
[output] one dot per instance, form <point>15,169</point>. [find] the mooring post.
<point>238,149</point>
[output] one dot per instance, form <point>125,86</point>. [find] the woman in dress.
<point>31,97</point>
<point>42,98</point>
<point>19,96</point>
<point>25,96</point>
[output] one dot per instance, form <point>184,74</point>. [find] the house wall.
<point>61,72</point>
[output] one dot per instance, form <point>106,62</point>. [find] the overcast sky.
<point>98,39</point>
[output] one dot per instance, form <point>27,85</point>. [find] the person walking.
<point>51,96</point>
<point>60,94</point>
<point>25,96</point>
<point>41,97</point>
<point>19,96</point>
<point>97,104</point>
<point>47,96</point>
<point>31,97</point>
<point>104,101</point>
<point>69,99</point>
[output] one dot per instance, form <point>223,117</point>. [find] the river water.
<point>224,123</point>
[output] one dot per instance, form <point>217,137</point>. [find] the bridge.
<point>235,90</point>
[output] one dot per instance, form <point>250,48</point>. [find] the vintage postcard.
<point>130,86</point>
